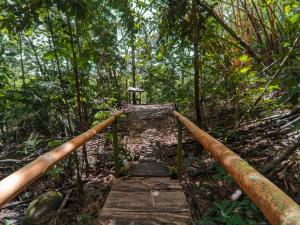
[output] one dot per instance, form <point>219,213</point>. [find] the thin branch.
<point>257,100</point>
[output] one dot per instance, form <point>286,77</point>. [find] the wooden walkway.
<point>146,196</point>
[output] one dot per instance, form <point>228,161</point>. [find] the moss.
<point>123,171</point>
<point>41,206</point>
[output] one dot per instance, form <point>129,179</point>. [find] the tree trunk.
<point>61,82</point>
<point>116,84</point>
<point>196,62</point>
<point>42,70</point>
<point>133,64</point>
<point>250,51</point>
<point>21,60</point>
<point>78,90</point>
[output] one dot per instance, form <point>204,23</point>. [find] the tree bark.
<point>196,62</point>
<point>133,64</point>
<point>21,60</point>
<point>78,90</point>
<point>116,84</point>
<point>42,70</point>
<point>61,82</point>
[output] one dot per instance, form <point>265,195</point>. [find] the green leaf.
<point>236,219</point>
<point>48,56</point>
<point>244,58</point>
<point>245,69</point>
<point>294,90</point>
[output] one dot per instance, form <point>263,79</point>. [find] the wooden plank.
<point>147,200</point>
<point>149,169</point>
<point>142,218</point>
<point>146,183</point>
<point>147,196</point>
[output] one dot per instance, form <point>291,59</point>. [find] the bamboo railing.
<point>277,207</point>
<point>15,183</point>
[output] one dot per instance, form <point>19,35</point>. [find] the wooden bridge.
<point>148,195</point>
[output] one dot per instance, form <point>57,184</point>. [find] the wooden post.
<point>140,98</point>
<point>179,151</point>
<point>78,174</point>
<point>116,155</point>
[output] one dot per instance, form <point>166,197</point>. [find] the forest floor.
<point>150,131</point>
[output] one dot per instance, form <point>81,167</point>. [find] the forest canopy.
<point>66,64</point>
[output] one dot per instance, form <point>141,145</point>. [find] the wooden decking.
<point>147,196</point>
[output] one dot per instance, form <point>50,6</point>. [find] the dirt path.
<point>146,128</point>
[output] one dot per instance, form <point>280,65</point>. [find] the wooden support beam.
<point>116,154</point>
<point>179,151</point>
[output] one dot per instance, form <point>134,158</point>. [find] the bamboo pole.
<point>277,207</point>
<point>15,183</point>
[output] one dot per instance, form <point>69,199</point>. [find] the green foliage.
<point>32,143</point>
<point>26,195</point>
<point>56,143</point>
<point>9,222</point>
<point>123,171</point>
<point>173,172</point>
<point>240,212</point>
<point>56,172</point>
<point>65,65</point>
<point>84,219</point>
<point>221,174</point>
<point>125,156</point>
<point>40,91</point>
<point>104,110</point>
<point>297,125</point>
<point>100,116</point>
<point>109,136</point>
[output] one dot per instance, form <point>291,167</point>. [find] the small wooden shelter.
<point>135,95</point>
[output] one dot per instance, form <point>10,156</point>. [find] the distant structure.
<point>132,95</point>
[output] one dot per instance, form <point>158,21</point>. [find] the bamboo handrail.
<point>277,206</point>
<point>15,183</point>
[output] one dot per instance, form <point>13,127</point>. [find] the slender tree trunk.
<point>261,20</point>
<point>231,32</point>
<point>43,72</point>
<point>255,26</point>
<point>76,76</point>
<point>238,12</point>
<point>116,84</point>
<point>61,81</point>
<point>196,62</point>
<point>78,91</point>
<point>21,59</point>
<point>133,66</point>
<point>234,15</point>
